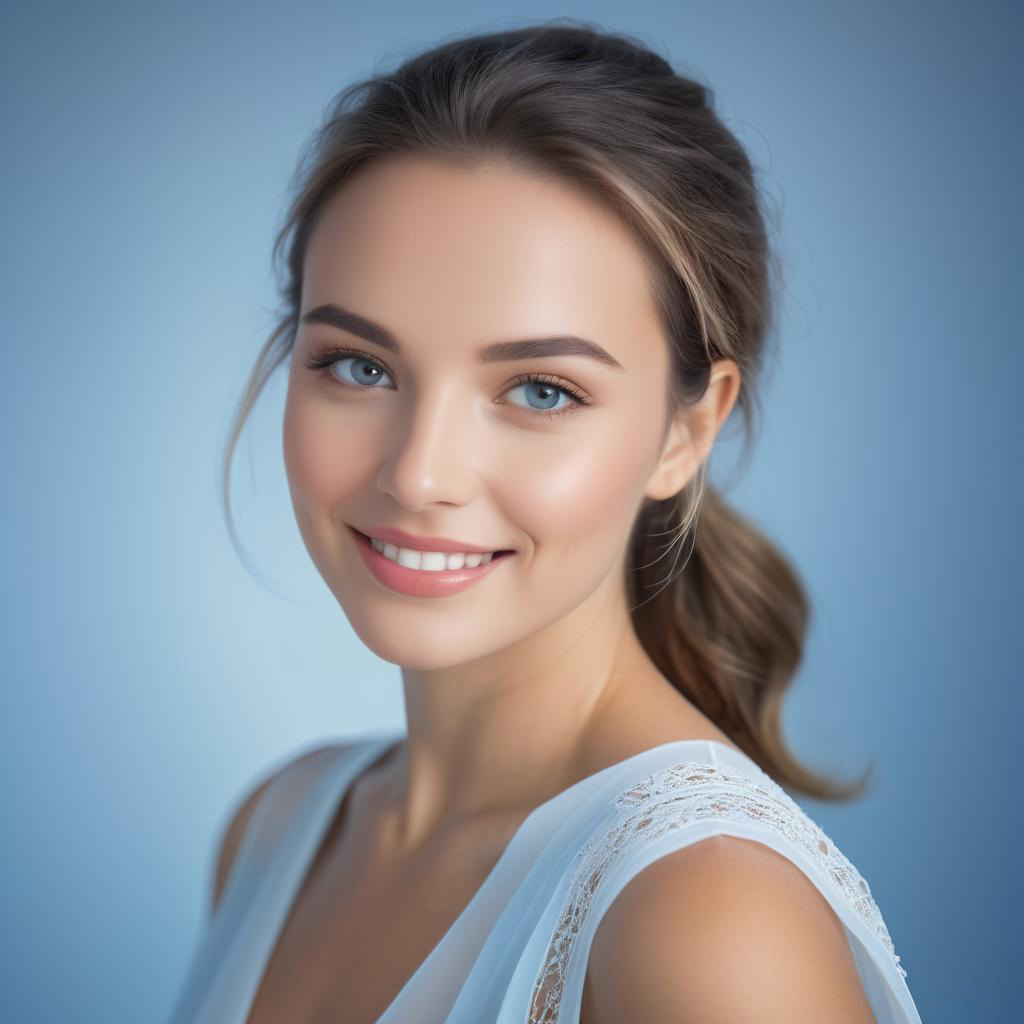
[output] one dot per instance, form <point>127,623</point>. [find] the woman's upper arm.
<point>723,931</point>
<point>232,838</point>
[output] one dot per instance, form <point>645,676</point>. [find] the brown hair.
<point>609,116</point>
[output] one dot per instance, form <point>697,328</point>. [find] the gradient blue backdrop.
<point>148,678</point>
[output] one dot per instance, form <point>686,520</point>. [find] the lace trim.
<point>669,800</point>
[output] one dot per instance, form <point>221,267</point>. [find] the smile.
<point>426,573</point>
<point>430,561</point>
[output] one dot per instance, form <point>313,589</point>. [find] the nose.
<point>428,455</point>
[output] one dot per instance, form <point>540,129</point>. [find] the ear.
<point>693,430</point>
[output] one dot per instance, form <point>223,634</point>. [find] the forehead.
<point>470,254</point>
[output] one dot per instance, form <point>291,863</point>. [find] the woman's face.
<point>425,435</point>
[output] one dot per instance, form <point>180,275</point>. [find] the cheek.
<point>325,455</point>
<point>582,493</point>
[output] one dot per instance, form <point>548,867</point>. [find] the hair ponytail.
<point>726,628</point>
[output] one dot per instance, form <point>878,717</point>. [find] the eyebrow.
<point>528,348</point>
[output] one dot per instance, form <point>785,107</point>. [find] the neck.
<point>507,732</point>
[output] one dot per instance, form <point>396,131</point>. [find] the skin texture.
<point>533,677</point>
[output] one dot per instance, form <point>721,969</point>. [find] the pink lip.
<point>417,583</point>
<point>391,535</point>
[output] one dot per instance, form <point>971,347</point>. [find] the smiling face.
<point>418,430</point>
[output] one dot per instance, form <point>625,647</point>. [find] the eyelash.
<point>326,359</point>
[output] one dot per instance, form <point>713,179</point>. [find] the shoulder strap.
<point>672,808</point>
<point>270,819</point>
<point>228,959</point>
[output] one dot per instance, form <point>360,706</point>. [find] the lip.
<point>419,583</point>
<point>392,535</point>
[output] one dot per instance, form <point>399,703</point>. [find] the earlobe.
<point>678,461</point>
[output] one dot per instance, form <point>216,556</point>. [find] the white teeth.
<point>430,561</point>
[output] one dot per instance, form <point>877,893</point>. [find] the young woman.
<point>528,280</point>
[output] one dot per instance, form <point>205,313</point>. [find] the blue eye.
<point>367,372</point>
<point>548,390</point>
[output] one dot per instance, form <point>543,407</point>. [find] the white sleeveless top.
<point>517,954</point>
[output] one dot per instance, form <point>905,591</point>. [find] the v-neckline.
<point>366,755</point>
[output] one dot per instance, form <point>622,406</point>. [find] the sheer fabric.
<point>517,954</point>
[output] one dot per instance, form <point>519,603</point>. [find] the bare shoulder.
<point>241,814</point>
<point>723,930</point>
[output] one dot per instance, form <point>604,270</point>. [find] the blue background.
<point>148,677</point>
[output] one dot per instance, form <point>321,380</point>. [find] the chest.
<point>359,928</point>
